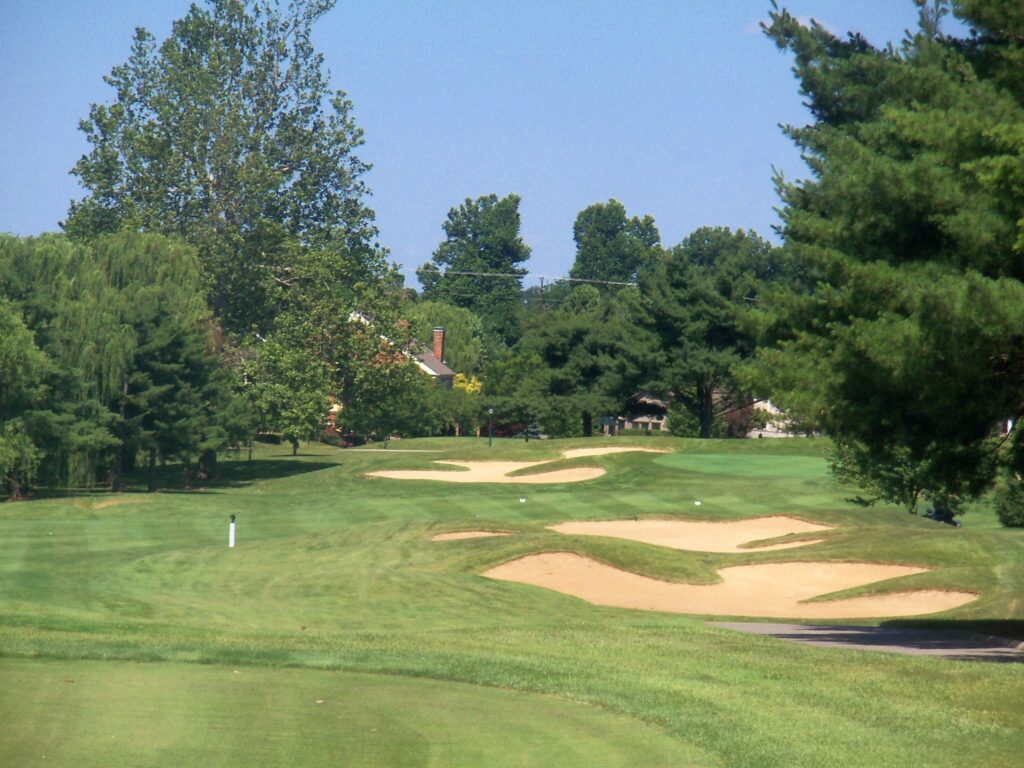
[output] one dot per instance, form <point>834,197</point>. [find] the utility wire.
<point>530,274</point>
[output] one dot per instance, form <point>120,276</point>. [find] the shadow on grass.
<point>951,641</point>
<point>169,478</point>
<point>1012,629</point>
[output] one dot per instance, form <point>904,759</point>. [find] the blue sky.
<point>671,107</point>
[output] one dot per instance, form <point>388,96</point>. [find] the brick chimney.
<point>439,343</point>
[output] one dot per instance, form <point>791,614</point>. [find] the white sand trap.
<point>771,590</point>
<point>576,453</point>
<point>459,535</point>
<point>499,471</point>
<point>492,472</point>
<point>700,535</point>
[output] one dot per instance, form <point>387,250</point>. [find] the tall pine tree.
<point>910,349</point>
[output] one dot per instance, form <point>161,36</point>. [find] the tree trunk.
<point>208,464</point>
<point>117,476</point>
<point>186,479</point>
<point>588,424</point>
<point>15,488</point>
<point>117,482</point>
<point>151,486</point>
<point>295,446</point>
<point>707,410</point>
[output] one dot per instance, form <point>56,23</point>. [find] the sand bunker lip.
<point>700,535</point>
<point>499,471</point>
<point>770,590</point>
<point>459,535</point>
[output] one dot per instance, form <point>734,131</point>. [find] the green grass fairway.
<point>747,465</point>
<point>107,714</point>
<point>184,652</point>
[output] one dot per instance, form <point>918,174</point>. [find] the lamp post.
<point>490,426</point>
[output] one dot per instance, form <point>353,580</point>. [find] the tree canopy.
<point>611,246</point>
<point>128,345</point>
<point>696,304</point>
<point>228,134</point>
<point>477,264</point>
<point>23,369</point>
<point>910,348</point>
<point>583,368</point>
<point>463,333</point>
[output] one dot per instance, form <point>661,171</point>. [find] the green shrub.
<point>1010,502</point>
<point>682,422</point>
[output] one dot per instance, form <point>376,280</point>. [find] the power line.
<point>535,299</point>
<point>556,278</point>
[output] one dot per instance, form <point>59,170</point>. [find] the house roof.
<point>429,363</point>
<point>425,360</point>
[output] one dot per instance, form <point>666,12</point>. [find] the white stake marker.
<point>231,533</point>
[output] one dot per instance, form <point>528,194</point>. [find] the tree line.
<point>223,274</point>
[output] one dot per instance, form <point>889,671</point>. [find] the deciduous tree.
<point>611,246</point>
<point>289,390</point>
<point>23,369</point>
<point>477,265</point>
<point>463,333</point>
<point>228,134</point>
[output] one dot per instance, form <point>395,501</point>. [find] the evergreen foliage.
<point>132,366</point>
<point>585,369</point>
<point>910,348</point>
<point>697,303</point>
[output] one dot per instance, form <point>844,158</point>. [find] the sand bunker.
<point>499,471</point>
<point>458,535</point>
<point>492,472</point>
<point>576,453</point>
<point>702,535</point>
<point>769,590</point>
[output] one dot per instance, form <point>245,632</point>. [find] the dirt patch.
<point>458,535</point>
<point>774,590</point>
<point>700,535</point>
<point>96,504</point>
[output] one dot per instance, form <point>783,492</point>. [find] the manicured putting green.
<point>741,464</point>
<point>114,714</point>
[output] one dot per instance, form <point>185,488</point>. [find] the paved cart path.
<point>946,644</point>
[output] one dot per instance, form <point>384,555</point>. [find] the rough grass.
<point>336,573</point>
